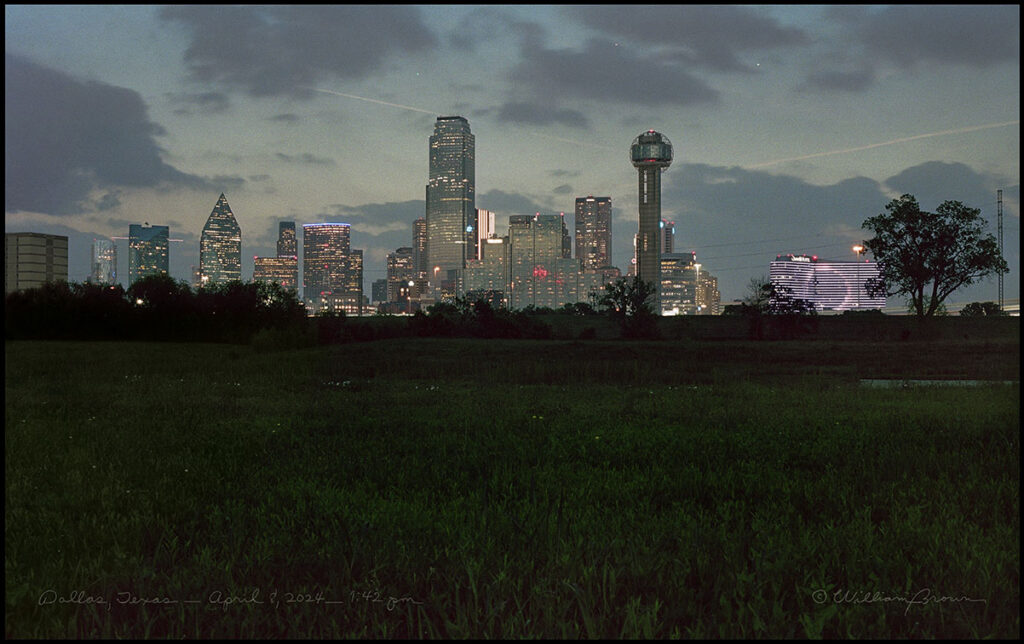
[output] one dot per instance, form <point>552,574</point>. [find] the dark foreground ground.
<point>472,488</point>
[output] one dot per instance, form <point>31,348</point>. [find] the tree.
<point>981,309</point>
<point>629,301</point>
<point>928,256</point>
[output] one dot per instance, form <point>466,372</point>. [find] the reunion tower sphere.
<point>651,154</point>
<point>651,148</point>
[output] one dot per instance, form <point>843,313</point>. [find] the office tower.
<point>400,269</point>
<point>651,154</point>
<point>539,275</point>
<point>450,196</point>
<point>287,242</point>
<point>566,239</point>
<point>332,272</point>
<point>104,262</point>
<point>283,270</point>
<point>488,277</point>
<point>379,291</point>
<point>148,251</point>
<point>830,286</point>
<point>709,300</point>
<point>483,228</point>
<point>220,247</point>
<point>668,234</point>
<point>419,247</point>
<point>594,232</point>
<point>33,259</point>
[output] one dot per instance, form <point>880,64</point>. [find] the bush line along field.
<point>438,488</point>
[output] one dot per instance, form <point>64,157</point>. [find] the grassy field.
<point>511,489</point>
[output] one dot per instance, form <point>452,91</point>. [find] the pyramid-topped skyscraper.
<point>220,247</point>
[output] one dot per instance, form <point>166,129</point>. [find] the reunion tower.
<point>651,154</point>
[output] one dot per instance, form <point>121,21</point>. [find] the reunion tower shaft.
<point>651,154</point>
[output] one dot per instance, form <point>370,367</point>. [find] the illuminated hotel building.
<point>220,247</point>
<point>104,262</point>
<point>490,273</point>
<point>830,286</point>
<point>332,272</point>
<point>651,154</point>
<point>539,273</point>
<point>33,259</point>
<point>147,251</point>
<point>594,232</point>
<point>450,200</point>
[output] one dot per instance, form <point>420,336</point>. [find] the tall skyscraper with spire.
<point>651,154</point>
<point>220,247</point>
<point>451,202</point>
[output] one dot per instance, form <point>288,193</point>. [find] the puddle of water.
<point>900,384</point>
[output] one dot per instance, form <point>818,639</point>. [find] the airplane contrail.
<point>972,128</point>
<point>373,100</point>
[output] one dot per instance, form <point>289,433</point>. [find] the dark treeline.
<point>153,308</point>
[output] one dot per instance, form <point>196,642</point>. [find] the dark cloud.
<point>522,113</point>
<point>202,103</point>
<point>505,203</point>
<point>65,137</point>
<point>713,36</point>
<point>935,182</point>
<point>973,35</point>
<point>305,158</point>
<point>604,72</point>
<point>273,50</point>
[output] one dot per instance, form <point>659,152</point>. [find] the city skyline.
<point>792,125</point>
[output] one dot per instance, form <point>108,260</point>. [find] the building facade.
<point>104,262</point>
<point>332,271</point>
<point>33,259</point>
<point>483,228</point>
<point>450,195</point>
<point>593,232</point>
<point>287,242</point>
<point>282,270</point>
<point>148,251</point>
<point>830,286</point>
<point>686,288</point>
<point>400,269</point>
<point>220,246</point>
<point>651,154</point>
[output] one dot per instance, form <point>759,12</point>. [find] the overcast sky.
<point>791,124</point>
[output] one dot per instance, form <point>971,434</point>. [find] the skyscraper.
<point>594,232</point>
<point>148,251</point>
<point>287,243</point>
<point>32,259</point>
<point>104,262</point>
<point>419,247</point>
<point>651,154</point>
<point>668,235</point>
<point>220,247</point>
<point>332,272</point>
<point>400,270</point>
<point>483,228</point>
<point>539,275</point>
<point>450,195</point>
<point>283,269</point>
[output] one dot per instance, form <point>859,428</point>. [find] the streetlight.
<point>857,248</point>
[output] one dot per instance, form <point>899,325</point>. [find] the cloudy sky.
<point>791,124</point>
